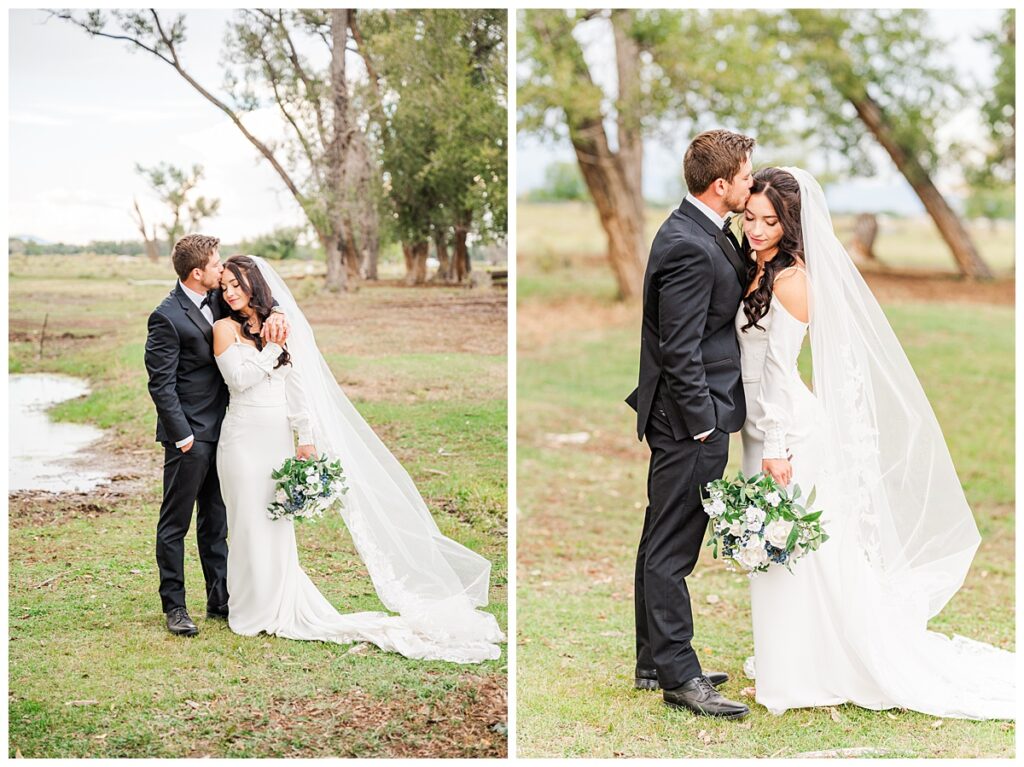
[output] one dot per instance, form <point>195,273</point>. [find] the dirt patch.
<point>536,321</point>
<point>131,472</point>
<point>387,317</point>
<point>468,722</point>
<point>938,287</point>
<point>21,337</point>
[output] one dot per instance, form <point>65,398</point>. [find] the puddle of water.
<point>40,448</point>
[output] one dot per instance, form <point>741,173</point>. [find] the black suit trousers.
<point>674,527</point>
<point>190,480</point>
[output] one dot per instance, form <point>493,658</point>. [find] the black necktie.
<point>206,301</point>
<point>727,231</point>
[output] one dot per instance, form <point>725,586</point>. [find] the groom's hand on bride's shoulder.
<point>275,329</point>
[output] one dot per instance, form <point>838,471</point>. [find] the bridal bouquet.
<point>757,524</point>
<point>307,488</point>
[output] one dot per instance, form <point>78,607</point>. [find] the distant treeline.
<point>279,244</point>
<point>16,246</point>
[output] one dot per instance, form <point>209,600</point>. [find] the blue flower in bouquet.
<point>757,524</point>
<point>306,489</point>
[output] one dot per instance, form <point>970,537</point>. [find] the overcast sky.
<point>887,190</point>
<point>83,111</point>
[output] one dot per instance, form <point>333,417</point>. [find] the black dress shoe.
<point>701,698</point>
<point>647,679</point>
<point>179,623</point>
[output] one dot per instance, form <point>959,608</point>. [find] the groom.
<point>190,398</point>
<point>689,398</point>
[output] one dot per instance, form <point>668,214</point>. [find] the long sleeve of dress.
<point>242,373</point>
<point>298,410</point>
<point>778,382</point>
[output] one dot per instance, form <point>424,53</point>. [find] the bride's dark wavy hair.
<point>783,192</point>
<point>261,300</point>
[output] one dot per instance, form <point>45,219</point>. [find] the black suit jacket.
<point>186,386</point>
<point>689,353</point>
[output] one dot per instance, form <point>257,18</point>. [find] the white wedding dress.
<point>268,589</point>
<point>845,626</point>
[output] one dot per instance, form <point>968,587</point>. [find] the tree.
<point>992,179</point>
<point>999,109</point>
<point>262,57</point>
<point>148,238</point>
<point>562,181</point>
<point>439,115</point>
<point>561,80</point>
<point>671,68</point>
<point>174,187</point>
<point>883,65</point>
<point>846,80</point>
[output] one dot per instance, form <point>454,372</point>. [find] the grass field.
<point>581,511</point>
<point>93,671</point>
<point>552,235</point>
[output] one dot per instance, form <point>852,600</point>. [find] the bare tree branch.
<point>175,62</point>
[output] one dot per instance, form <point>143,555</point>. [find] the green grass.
<point>557,234</point>
<point>581,512</point>
<point>95,633</point>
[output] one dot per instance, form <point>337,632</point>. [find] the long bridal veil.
<point>434,583</point>
<point>891,482</point>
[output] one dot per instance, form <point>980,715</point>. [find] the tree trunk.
<point>865,230</point>
<point>949,224</point>
<point>335,155</point>
<point>407,252</point>
<point>416,262</point>
<point>150,243</point>
<point>620,213</point>
<point>629,106</point>
<point>335,268</point>
<point>350,252</point>
<point>462,264</point>
<point>370,256</point>
<point>444,268</point>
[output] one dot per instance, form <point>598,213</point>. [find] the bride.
<point>433,583</point>
<point>849,625</point>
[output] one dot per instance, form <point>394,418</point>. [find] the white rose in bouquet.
<point>777,532</point>
<point>754,518</point>
<point>752,555</point>
<point>714,507</point>
<point>773,498</point>
<point>737,528</point>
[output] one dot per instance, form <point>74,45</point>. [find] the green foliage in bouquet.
<point>758,524</point>
<point>307,488</point>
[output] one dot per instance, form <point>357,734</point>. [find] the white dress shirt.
<point>207,312</point>
<point>197,299</point>
<point>719,222</point>
<point>716,219</point>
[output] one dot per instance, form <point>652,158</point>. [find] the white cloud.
<point>37,119</point>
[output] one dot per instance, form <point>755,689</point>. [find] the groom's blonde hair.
<point>714,154</point>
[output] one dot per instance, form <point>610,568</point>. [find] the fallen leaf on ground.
<point>834,713</point>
